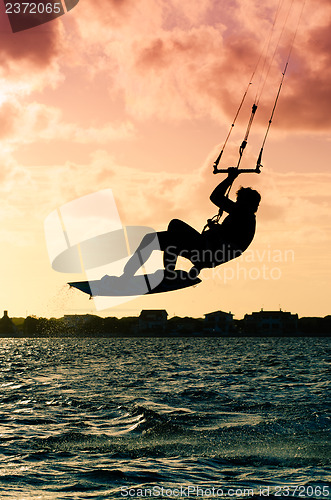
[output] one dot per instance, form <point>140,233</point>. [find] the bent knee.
<point>177,225</point>
<point>148,239</point>
<point>174,223</point>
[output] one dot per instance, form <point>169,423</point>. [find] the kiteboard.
<point>111,286</point>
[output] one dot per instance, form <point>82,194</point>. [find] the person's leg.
<point>161,240</point>
<point>180,240</point>
<point>142,254</point>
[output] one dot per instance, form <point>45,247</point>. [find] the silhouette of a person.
<point>217,245</point>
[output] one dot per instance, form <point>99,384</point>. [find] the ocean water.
<point>164,418</point>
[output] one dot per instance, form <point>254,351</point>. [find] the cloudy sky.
<point>139,97</point>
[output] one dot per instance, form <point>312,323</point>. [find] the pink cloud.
<point>8,116</point>
<point>35,47</point>
<point>306,101</point>
<point>174,62</point>
<point>189,71</point>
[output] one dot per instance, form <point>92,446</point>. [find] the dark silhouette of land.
<point>155,323</point>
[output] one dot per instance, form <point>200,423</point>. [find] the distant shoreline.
<point>154,324</point>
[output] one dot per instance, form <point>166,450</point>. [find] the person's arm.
<point>218,195</point>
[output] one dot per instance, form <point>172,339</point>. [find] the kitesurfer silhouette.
<point>217,244</point>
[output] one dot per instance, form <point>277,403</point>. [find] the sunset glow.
<point>138,97</point>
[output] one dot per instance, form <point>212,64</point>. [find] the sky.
<point>138,97</point>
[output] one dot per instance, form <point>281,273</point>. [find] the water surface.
<point>91,418</point>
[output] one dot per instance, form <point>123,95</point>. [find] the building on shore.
<point>185,327</point>
<point>153,320</point>
<point>219,323</point>
<point>271,323</point>
<point>7,327</point>
<point>314,326</point>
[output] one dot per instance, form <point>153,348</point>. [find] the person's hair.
<point>249,197</point>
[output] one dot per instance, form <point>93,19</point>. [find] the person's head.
<point>248,198</point>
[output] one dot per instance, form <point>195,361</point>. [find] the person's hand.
<point>233,173</point>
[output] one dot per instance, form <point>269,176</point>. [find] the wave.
<point>239,439</point>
